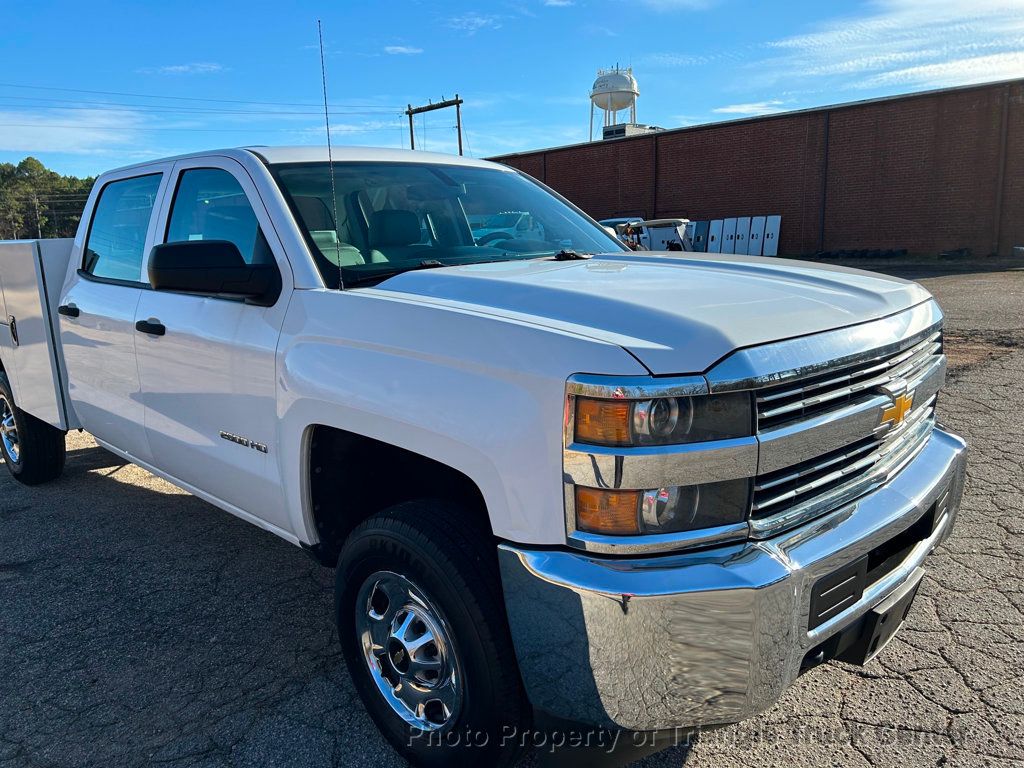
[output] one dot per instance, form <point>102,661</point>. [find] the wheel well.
<point>352,477</point>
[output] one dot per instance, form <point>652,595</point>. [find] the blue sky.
<point>89,86</point>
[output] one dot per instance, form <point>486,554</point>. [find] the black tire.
<point>41,450</point>
<point>454,563</point>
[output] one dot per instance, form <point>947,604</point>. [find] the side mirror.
<point>212,267</point>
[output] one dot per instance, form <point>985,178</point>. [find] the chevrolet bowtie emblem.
<point>896,413</point>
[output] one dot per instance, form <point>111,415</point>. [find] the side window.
<point>117,235</point>
<point>210,204</point>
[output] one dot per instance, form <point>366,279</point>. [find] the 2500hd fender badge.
<point>245,442</point>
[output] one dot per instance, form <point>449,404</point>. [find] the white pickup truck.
<point>559,480</point>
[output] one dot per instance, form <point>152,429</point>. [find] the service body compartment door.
<point>771,236</point>
<point>700,236</point>
<point>742,233</point>
<point>6,341</point>
<point>715,236</point>
<point>33,271</point>
<point>756,237</point>
<point>209,382</point>
<point>729,236</point>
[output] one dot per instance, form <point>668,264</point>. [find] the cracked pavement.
<point>141,626</point>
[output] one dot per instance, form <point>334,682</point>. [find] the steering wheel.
<point>493,237</point>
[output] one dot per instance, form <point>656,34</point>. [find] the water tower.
<point>614,90</point>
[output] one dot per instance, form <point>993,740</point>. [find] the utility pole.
<point>39,228</point>
<point>456,102</point>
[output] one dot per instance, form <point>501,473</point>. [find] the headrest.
<point>314,212</point>
<point>394,228</point>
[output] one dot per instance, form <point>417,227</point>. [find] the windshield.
<point>385,218</point>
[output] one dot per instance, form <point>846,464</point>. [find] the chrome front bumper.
<point>714,636</point>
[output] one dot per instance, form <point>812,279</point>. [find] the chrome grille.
<point>809,407</point>
<point>813,487</point>
<point>830,389</point>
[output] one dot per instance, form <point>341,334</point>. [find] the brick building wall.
<point>927,172</point>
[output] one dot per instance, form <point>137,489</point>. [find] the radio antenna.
<point>330,157</point>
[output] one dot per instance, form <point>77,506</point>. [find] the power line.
<point>185,98</point>
<point>44,198</point>
<point>187,128</point>
<point>48,204</point>
<point>54,195</point>
<point>65,193</point>
<point>108,106</point>
<point>68,201</point>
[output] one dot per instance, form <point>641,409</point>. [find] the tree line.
<point>38,202</point>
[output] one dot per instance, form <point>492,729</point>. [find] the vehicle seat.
<point>320,223</point>
<point>395,236</point>
<point>330,248</point>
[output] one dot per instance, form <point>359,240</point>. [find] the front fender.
<point>481,394</point>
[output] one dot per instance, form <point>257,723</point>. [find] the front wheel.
<point>422,624</point>
<point>33,451</point>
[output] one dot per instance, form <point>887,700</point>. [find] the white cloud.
<point>69,131</point>
<point>196,68</point>
<point>906,43</point>
<point>558,3</point>
<point>769,107</point>
<point>345,130</point>
<point>979,69</point>
<point>668,60</point>
<point>399,50</point>
<point>473,22</point>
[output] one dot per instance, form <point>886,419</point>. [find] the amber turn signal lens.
<point>602,422</point>
<point>611,512</point>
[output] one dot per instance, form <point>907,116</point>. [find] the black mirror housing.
<point>212,267</point>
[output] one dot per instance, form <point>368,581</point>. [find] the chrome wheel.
<point>409,652</point>
<point>9,430</point>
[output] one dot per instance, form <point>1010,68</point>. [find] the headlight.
<point>661,510</point>
<point>662,421</point>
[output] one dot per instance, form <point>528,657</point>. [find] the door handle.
<point>68,310</point>
<point>151,327</point>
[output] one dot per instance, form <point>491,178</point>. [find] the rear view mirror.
<point>215,268</point>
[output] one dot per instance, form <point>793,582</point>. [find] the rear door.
<point>208,382</point>
<point>97,309</point>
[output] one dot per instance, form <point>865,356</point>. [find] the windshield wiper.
<point>377,276</point>
<point>568,254</point>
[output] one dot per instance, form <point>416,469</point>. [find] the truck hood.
<point>676,314</point>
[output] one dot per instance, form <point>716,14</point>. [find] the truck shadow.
<point>929,268</point>
<point>140,625</point>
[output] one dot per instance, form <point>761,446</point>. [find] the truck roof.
<point>314,154</point>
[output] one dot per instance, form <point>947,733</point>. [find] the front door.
<point>208,382</point>
<point>97,310</point>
